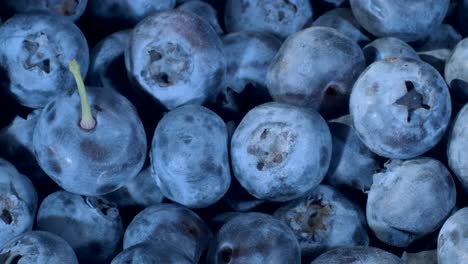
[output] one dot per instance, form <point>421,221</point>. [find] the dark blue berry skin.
<point>148,253</point>
<point>177,57</point>
<point>457,154</point>
<point>90,162</point>
<point>456,69</point>
<point>308,70</point>
<point>142,191</point>
<point>422,257</point>
<point>357,255</point>
<point>343,20</point>
<point>129,12</point>
<point>386,48</point>
<point>204,10</point>
<point>323,219</point>
<point>400,107</point>
<point>280,151</point>
<point>189,156</point>
<point>254,238</point>
<point>279,17</point>
<point>248,54</point>
<point>409,200</point>
<point>72,9</point>
<point>103,55</point>
<point>18,203</point>
<point>35,51</point>
<point>408,21</point>
<point>352,163</point>
<point>172,225</point>
<point>452,241</point>
<point>38,247</point>
<point>91,225</point>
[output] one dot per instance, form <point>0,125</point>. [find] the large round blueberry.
<point>278,17</point>
<point>172,225</point>
<point>324,219</point>
<point>72,9</point>
<point>406,20</point>
<point>152,253</point>
<point>457,147</point>
<point>308,70</point>
<point>18,203</point>
<point>280,151</point>
<point>189,156</point>
<point>37,247</point>
<point>456,69</point>
<point>409,199</point>
<point>177,57</point>
<point>90,162</point>
<point>357,255</point>
<point>254,238</point>
<point>35,51</point>
<point>91,225</point>
<point>452,243</point>
<point>400,107</point>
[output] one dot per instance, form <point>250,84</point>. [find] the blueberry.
<point>141,191</point>
<point>172,225</point>
<point>308,70</point>
<point>343,20</point>
<point>422,257</point>
<point>148,253</point>
<point>72,9</point>
<point>189,156</point>
<point>37,247</point>
<point>462,15</point>
<point>323,219</point>
<point>409,200</point>
<point>452,243</point>
<point>279,17</point>
<point>204,10</point>
<point>456,68</point>
<point>400,107</point>
<point>408,21</point>
<point>357,255</point>
<point>254,238</point>
<point>35,51</point>
<point>457,154</point>
<point>91,225</point>
<point>18,203</point>
<point>177,57</point>
<point>352,163</point>
<point>280,151</point>
<point>90,158</point>
<point>386,48</point>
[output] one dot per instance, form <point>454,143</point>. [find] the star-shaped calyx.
<point>412,100</point>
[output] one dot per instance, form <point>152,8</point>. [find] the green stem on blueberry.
<point>87,120</point>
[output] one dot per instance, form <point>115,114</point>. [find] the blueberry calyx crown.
<point>87,121</point>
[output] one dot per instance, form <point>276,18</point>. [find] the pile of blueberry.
<point>233,131</point>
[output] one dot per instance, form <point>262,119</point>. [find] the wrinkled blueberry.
<point>452,244</point>
<point>18,203</point>
<point>37,247</point>
<point>308,70</point>
<point>386,48</point>
<point>177,57</point>
<point>406,20</point>
<point>357,255</point>
<point>280,151</point>
<point>189,156</point>
<point>172,225</point>
<point>400,107</point>
<point>279,17</point>
<point>91,225</point>
<point>457,147</point>
<point>409,199</point>
<point>35,51</point>
<point>323,219</point>
<point>254,238</point>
